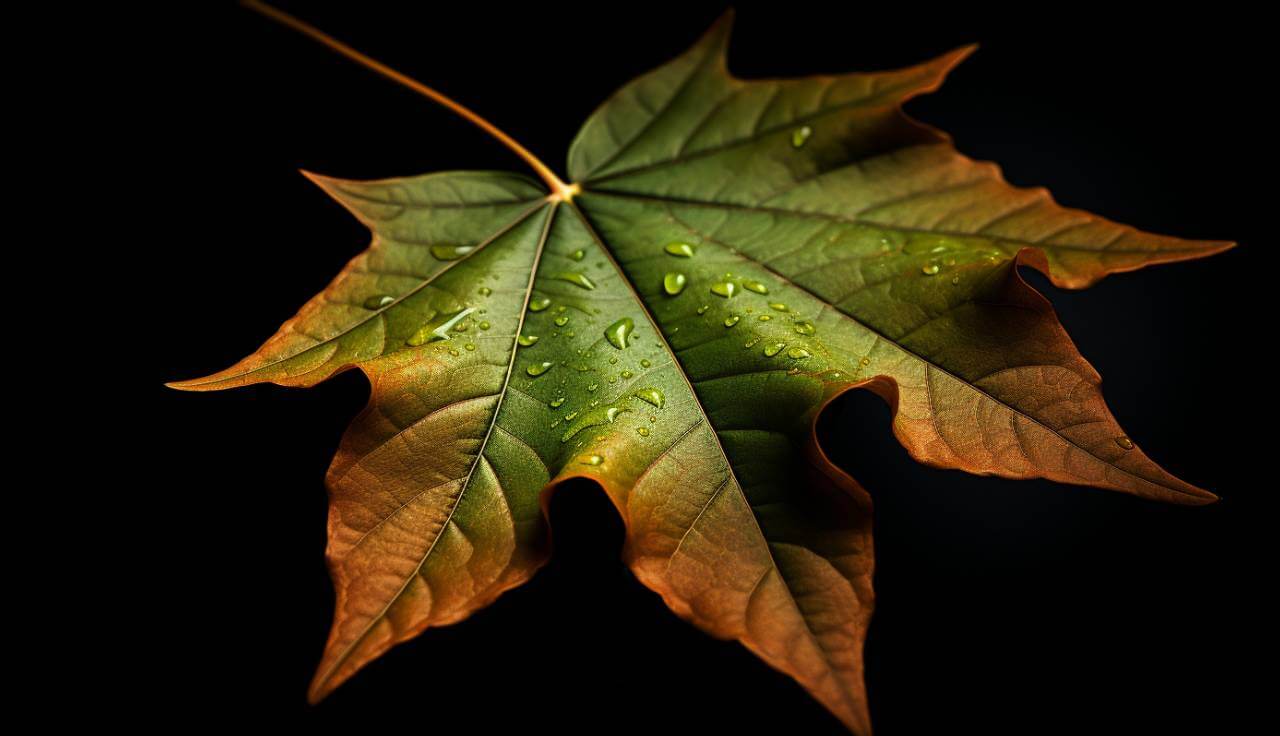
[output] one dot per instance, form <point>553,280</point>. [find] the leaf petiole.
<point>560,191</point>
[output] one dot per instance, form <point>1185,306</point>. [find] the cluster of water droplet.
<point>603,382</point>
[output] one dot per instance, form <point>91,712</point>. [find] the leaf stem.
<point>560,190</point>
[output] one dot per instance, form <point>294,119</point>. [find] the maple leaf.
<point>731,256</point>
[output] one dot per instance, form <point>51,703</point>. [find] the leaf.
<point>733,256</point>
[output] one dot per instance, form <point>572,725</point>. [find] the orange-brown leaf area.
<point>738,254</point>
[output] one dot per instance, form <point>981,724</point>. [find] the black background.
<point>1003,607</point>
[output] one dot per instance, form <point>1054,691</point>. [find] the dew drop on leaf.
<point>537,369</point>
<point>800,136</point>
<point>619,332</point>
<point>673,283</point>
<point>755,286</point>
<point>805,328</point>
<point>562,320</point>
<point>725,289</point>
<point>485,291</point>
<point>1124,442</point>
<point>798,353</point>
<point>929,269</point>
<point>681,250</point>
<point>577,279</point>
<point>539,304</point>
<point>379,301</point>
<point>451,252</point>
<point>527,340</point>
<point>578,255</point>
<point>652,396</point>
<point>731,320</point>
<point>422,336</point>
<point>774,349</point>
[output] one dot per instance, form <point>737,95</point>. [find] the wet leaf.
<point>736,254</point>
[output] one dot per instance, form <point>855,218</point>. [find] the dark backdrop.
<point>1004,607</point>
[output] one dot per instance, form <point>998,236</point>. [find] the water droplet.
<point>725,289</point>
<point>485,291</point>
<point>805,328</point>
<point>627,374</point>
<point>645,363</point>
<point>469,346</point>
<point>774,349</point>
<point>703,309</point>
<point>431,333</point>
<point>764,318</point>
<point>453,352</point>
<point>779,306</point>
<point>619,332</point>
<point>423,335</point>
<point>593,387</point>
<point>527,340</point>
<point>929,269</point>
<point>798,353</point>
<point>955,280</point>
<point>652,396</point>
<point>592,460</point>
<point>485,325</point>
<point>537,369</point>
<point>1124,442</point>
<point>642,431</point>
<point>578,255</point>
<point>562,320</point>
<point>451,252</point>
<point>460,327</point>
<point>752,342</point>
<point>557,403</point>
<point>731,320</point>
<point>755,286</point>
<point>673,283</point>
<point>800,136</point>
<point>379,301</point>
<point>575,278</point>
<point>865,361</point>
<point>681,250</point>
<point>539,304</point>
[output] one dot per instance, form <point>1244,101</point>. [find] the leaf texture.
<point>739,254</point>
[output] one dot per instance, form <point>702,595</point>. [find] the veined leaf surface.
<point>733,256</point>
